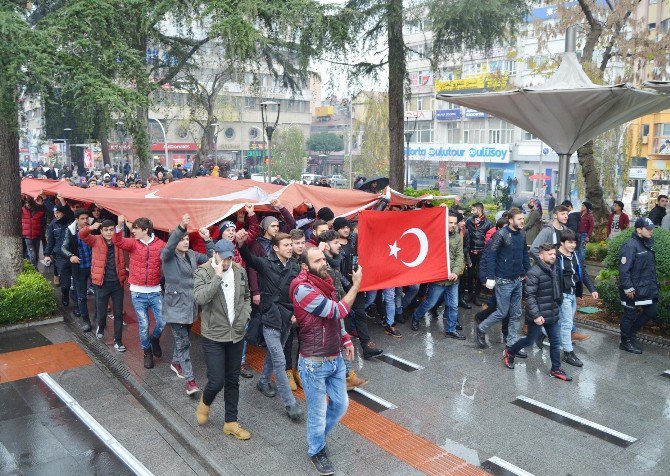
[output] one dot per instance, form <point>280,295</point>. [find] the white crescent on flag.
<point>423,251</point>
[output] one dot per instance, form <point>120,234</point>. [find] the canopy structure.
<point>207,199</point>
<point>567,111</point>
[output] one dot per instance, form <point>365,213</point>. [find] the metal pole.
<point>351,142</point>
<point>563,177</point>
<point>571,39</point>
<point>165,143</point>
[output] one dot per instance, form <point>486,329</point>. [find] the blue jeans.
<point>508,303</point>
<point>403,302</point>
<point>275,362</point>
<point>553,332</point>
<point>567,315</point>
<point>389,303</point>
<point>581,250</point>
<point>321,379</point>
<point>142,302</point>
<point>450,296</point>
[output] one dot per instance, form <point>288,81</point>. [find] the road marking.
<point>500,467</point>
<point>372,401</point>
<point>574,421</point>
<point>112,443</point>
<point>399,362</point>
<point>666,373</point>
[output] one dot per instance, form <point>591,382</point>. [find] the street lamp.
<point>165,143</point>
<point>215,125</point>
<point>269,130</point>
<point>408,138</point>
<point>68,155</point>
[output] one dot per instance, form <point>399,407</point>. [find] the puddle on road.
<point>457,449</point>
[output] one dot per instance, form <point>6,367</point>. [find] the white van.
<point>309,179</point>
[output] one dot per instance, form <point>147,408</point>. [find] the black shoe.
<point>463,304</point>
<point>156,347</point>
<point>636,343</point>
<point>540,342</point>
<point>294,411</point>
<point>455,335</point>
<point>628,345</point>
<point>86,326</point>
<point>148,359</point>
<point>481,338</point>
<point>322,463</point>
<point>245,371</point>
<point>399,318</point>
<point>65,301</point>
<point>572,359</point>
<point>476,301</point>
<point>561,375</point>
<point>266,389</point>
<point>521,354</point>
<point>370,351</point>
<point>392,331</point>
<point>459,327</point>
<point>76,313</point>
<point>508,358</point>
<point>415,324</point>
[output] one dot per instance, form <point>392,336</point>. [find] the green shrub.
<point>596,251</point>
<point>31,297</point>
<point>661,248</point>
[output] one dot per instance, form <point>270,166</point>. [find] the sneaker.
<point>245,371</point>
<point>392,331</point>
<point>266,389</point>
<point>322,464</point>
<point>521,354</point>
<point>86,326</point>
<point>98,334</point>
<point>291,380</point>
<point>400,318</point>
<point>560,374</point>
<point>415,324</point>
<point>90,291</point>
<point>191,387</point>
<point>294,411</point>
<point>481,339</point>
<point>572,359</point>
<point>234,429</point>
<point>455,335</point>
<point>76,312</point>
<point>176,368</point>
<point>148,359</point>
<point>508,358</point>
<point>119,347</point>
<point>156,347</point>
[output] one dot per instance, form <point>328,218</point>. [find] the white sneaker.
<point>119,347</point>
<point>98,334</point>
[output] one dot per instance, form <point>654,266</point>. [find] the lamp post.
<point>165,143</point>
<point>68,155</point>
<point>215,135</point>
<point>269,130</point>
<point>408,138</point>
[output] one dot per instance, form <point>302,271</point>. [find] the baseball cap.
<point>225,248</point>
<point>340,222</point>
<point>644,223</point>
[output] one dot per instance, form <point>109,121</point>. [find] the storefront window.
<point>661,138</point>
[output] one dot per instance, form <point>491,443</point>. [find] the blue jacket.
<point>508,255</point>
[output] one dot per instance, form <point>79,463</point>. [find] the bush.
<point>596,251</point>
<point>31,297</point>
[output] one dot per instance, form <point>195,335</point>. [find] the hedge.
<point>596,251</point>
<point>607,281</point>
<point>31,297</point>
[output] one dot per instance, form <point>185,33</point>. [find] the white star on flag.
<point>394,250</point>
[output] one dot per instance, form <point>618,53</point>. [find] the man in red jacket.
<point>144,251</point>
<point>108,275</point>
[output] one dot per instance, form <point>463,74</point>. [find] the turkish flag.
<point>402,248</point>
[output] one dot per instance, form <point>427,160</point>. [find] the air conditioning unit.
<point>645,139</point>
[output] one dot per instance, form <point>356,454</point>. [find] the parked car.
<point>337,181</point>
<point>258,177</point>
<point>309,179</point>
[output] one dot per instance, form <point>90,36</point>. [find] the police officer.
<point>638,284</point>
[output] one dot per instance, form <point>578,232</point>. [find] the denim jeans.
<point>182,346</point>
<point>450,296</point>
<point>389,303</point>
<point>553,332</point>
<point>403,302</point>
<point>142,302</point>
<point>581,249</point>
<point>321,379</point>
<point>275,362</point>
<point>33,249</point>
<point>508,303</point>
<point>567,313</point>
<point>223,360</point>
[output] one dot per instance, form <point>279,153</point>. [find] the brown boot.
<point>354,381</point>
<point>56,281</point>
<point>291,381</point>
<point>233,428</point>
<point>202,412</point>
<point>296,377</point>
<point>578,337</point>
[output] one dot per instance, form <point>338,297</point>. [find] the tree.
<point>374,150</point>
<point>288,153</point>
<point>456,25</point>
<point>325,142</point>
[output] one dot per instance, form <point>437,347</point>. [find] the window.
<point>251,103</point>
<point>419,104</point>
<point>424,131</point>
<point>652,25</point>
<point>453,135</point>
<point>472,69</point>
<point>474,132</point>
<point>182,132</point>
<point>529,136</point>
<point>229,133</point>
<point>253,133</point>
<point>665,25</point>
<point>645,130</point>
<point>500,132</point>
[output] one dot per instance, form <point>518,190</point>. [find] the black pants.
<point>360,320</point>
<point>114,290</point>
<point>81,276</point>
<point>632,322</point>
<point>65,272</point>
<point>223,360</point>
<point>474,284</point>
<point>288,347</point>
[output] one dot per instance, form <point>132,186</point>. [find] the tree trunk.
<point>141,142</point>
<point>104,145</point>
<point>397,72</point>
<point>11,251</point>
<point>594,191</point>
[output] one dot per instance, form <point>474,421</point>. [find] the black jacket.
<point>544,294</point>
<point>637,270</point>
<point>508,255</point>
<point>55,236</point>
<point>274,280</point>
<point>656,215</point>
<point>477,232</point>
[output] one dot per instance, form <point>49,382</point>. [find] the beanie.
<point>267,221</point>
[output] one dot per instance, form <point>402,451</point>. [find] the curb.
<point>166,417</point>
<point>26,325</point>
<point>646,338</point>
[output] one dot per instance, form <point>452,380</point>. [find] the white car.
<point>309,179</point>
<point>258,177</point>
<point>337,181</point>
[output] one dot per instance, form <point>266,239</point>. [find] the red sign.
<point>88,158</point>
<point>177,146</point>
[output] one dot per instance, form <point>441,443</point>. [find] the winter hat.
<point>341,222</point>
<point>60,208</point>
<point>227,224</point>
<point>325,214</point>
<point>267,221</point>
<point>588,205</point>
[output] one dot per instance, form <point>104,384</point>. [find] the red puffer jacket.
<point>31,223</point>
<point>99,257</point>
<point>145,259</point>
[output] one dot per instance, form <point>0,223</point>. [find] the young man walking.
<point>507,265</point>
<point>319,315</point>
<point>220,287</point>
<point>446,290</point>
<point>552,232</point>
<point>55,236</point>
<point>108,275</point>
<point>476,226</point>
<point>144,251</point>
<point>618,220</point>
<point>79,254</point>
<point>638,284</point>
<point>543,301</point>
<point>180,311</point>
